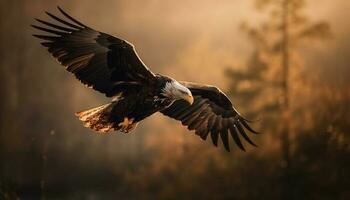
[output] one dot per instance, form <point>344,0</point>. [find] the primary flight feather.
<point>111,66</point>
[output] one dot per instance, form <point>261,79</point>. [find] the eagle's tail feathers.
<point>98,118</point>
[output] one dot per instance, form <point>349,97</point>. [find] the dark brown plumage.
<point>212,112</point>
<point>111,66</point>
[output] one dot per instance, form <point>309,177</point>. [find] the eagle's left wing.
<point>107,64</point>
<point>211,112</point>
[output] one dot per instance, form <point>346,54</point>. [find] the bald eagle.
<point>111,66</point>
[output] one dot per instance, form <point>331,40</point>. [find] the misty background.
<point>244,47</point>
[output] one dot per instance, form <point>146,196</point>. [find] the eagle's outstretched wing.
<point>103,62</point>
<point>211,112</point>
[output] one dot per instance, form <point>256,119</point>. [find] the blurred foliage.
<point>8,190</point>
<point>46,153</point>
<point>314,105</point>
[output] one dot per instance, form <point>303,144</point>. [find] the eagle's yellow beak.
<point>189,99</point>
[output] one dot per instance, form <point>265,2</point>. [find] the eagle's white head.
<point>174,90</point>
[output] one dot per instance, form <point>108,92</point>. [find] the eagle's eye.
<point>183,92</point>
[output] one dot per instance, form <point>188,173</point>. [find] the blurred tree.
<point>264,85</point>
<point>79,165</point>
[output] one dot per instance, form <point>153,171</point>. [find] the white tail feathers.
<point>98,118</point>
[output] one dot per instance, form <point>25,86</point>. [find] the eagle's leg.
<point>127,125</point>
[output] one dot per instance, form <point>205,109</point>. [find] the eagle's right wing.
<point>211,113</point>
<point>103,62</point>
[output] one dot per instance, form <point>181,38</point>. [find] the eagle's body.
<point>130,105</point>
<point>111,66</point>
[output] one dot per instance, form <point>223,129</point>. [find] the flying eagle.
<point>111,66</point>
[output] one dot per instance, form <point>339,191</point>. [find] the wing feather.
<point>224,134</point>
<point>97,59</point>
<point>194,116</point>
<point>212,112</point>
<point>61,28</point>
<point>244,134</point>
<point>235,136</point>
<point>215,132</point>
<point>200,119</point>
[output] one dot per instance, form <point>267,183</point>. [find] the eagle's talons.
<point>127,125</point>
